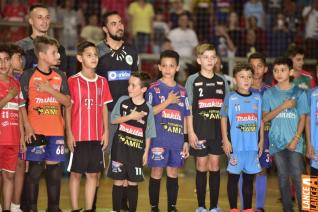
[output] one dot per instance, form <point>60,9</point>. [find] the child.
<point>206,92</point>
<point>11,128</point>
<point>45,91</point>
<point>16,53</point>
<point>136,126</point>
<point>242,110</point>
<point>285,105</point>
<point>87,128</point>
<point>169,149</point>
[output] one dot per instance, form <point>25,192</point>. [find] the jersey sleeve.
<point>225,107</point>
<point>186,107</point>
<point>189,88</point>
<point>149,96</point>
<point>107,97</point>
<point>266,102</point>
<point>151,128</point>
<point>302,104</point>
<point>71,85</point>
<point>24,83</point>
<point>116,110</point>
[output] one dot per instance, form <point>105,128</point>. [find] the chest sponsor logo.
<point>219,82</point>
<point>219,91</point>
<point>118,75</point>
<point>198,84</point>
<point>45,100</point>
<point>210,84</point>
<point>286,115</point>
<point>171,114</point>
<point>131,129</point>
<point>246,117</point>
<point>208,103</point>
<point>89,103</point>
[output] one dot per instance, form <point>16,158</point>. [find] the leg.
<point>232,189</point>
<point>201,166</point>
<point>96,191</point>
<point>240,187</point>
<point>124,199</point>
<point>260,188</point>
<point>214,179</point>
<point>7,188</point>
<point>74,186</point>
<point>117,194</point>
<point>132,195</point>
<point>53,176</point>
<point>32,183</point>
<point>90,186</point>
<point>18,182</point>
<point>154,187</point>
<point>248,190</point>
<point>172,187</point>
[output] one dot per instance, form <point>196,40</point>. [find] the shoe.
<point>234,210</point>
<point>201,209</point>
<point>215,210</point>
<point>15,208</point>
<point>155,209</point>
<point>260,210</point>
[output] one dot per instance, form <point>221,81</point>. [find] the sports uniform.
<point>313,104</point>
<point>88,98</point>
<point>166,148</point>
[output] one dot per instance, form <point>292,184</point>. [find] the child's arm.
<point>29,132</point>
<point>105,137</point>
<point>226,143</point>
<point>261,140</point>
<point>21,126</point>
<point>193,139</point>
<point>310,151</point>
<point>13,91</point>
<point>70,138</point>
<point>185,149</point>
<point>134,115</point>
<point>288,103</point>
<point>145,155</point>
<point>300,128</point>
<point>173,98</point>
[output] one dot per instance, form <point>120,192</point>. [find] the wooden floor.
<point>186,200</point>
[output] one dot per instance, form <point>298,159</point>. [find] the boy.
<point>130,146</point>
<point>242,110</point>
<point>11,128</point>
<point>170,148</point>
<point>206,92</point>
<point>16,53</point>
<point>87,128</point>
<point>285,105</point>
<point>45,91</point>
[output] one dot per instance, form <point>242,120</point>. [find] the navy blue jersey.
<point>206,97</point>
<point>170,121</point>
<point>244,113</point>
<point>116,66</point>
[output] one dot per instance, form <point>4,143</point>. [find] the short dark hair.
<point>240,66</point>
<point>144,78</point>
<point>5,48</point>
<point>83,45</point>
<point>34,6</point>
<point>41,44</point>
<point>169,54</point>
<point>15,49</point>
<point>293,50</point>
<point>106,15</point>
<point>283,61</point>
<point>257,55</point>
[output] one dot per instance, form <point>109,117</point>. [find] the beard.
<point>116,37</point>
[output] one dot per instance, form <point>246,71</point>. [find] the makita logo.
<point>171,114</point>
<point>206,103</point>
<point>246,117</point>
<point>45,100</point>
<point>131,129</point>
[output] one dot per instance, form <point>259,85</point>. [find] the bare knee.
<point>156,172</point>
<point>201,164</point>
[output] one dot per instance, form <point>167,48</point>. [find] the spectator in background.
<point>202,12</point>
<point>273,7</point>
<point>234,29</point>
<point>255,8</point>
<point>310,15</point>
<point>160,31</point>
<point>92,32</point>
<point>222,9</point>
<point>222,41</point>
<point>177,10</point>
<point>141,14</point>
<point>218,69</point>
<point>292,18</point>
<point>115,5</point>
<point>260,33</point>
<point>249,46</point>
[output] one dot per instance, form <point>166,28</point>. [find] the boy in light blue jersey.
<point>285,105</point>
<point>243,144</point>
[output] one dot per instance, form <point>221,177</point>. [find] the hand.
<point>135,115</point>
<point>221,30</point>
<point>227,147</point>
<point>185,150</point>
<point>104,141</point>
<point>260,148</point>
<point>291,146</point>
<point>289,103</point>
<point>193,140</point>
<point>173,98</point>
<point>71,143</point>
<point>29,133</point>
<point>22,145</point>
<point>310,152</point>
<point>12,92</point>
<point>43,86</point>
<point>145,158</point>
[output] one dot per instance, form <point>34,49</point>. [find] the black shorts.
<point>87,157</point>
<point>120,171</point>
<point>207,147</point>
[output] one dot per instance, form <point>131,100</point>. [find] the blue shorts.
<point>163,157</point>
<point>266,159</point>
<point>53,151</point>
<point>245,161</point>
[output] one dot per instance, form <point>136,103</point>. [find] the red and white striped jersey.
<point>88,98</point>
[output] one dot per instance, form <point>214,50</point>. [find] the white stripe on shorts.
<point>70,163</point>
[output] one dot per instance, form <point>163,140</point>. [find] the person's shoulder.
<point>181,87</point>
<point>103,49</point>
<point>26,43</point>
<point>154,84</point>
<point>59,72</point>
<point>307,74</point>
<point>123,98</point>
<point>193,77</point>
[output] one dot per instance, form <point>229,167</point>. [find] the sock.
<point>14,207</point>
<point>248,190</point>
<point>214,184</point>
<point>172,190</point>
<point>260,187</point>
<point>124,205</point>
<point>117,194</point>
<point>95,199</point>
<point>240,187</point>
<point>53,176</point>
<point>232,188</point>
<point>154,192</point>
<point>24,199</point>
<point>132,195</point>
<point>32,183</point>
<point>200,181</point>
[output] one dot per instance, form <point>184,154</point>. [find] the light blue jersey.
<point>284,125</point>
<point>313,104</point>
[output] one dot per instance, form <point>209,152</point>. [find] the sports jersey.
<point>44,111</point>
<point>9,114</point>
<point>305,80</point>
<point>31,61</point>
<point>88,97</point>
<point>206,98</point>
<point>116,66</point>
<point>284,125</point>
<point>244,113</point>
<point>313,104</point>
<point>170,121</point>
<point>130,137</point>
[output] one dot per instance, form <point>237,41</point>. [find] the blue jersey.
<point>170,121</point>
<point>313,104</point>
<point>284,125</point>
<point>244,113</point>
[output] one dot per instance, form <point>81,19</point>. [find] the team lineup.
<point>111,108</point>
